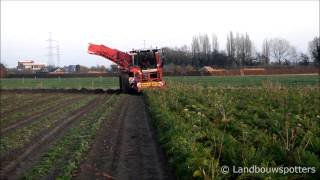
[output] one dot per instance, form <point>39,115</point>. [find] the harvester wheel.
<point>120,82</point>
<point>124,85</point>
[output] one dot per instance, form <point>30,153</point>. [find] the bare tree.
<point>281,51</point>
<point>195,45</point>
<point>205,46</point>
<point>248,50</point>
<point>292,57</point>
<point>239,49</point>
<point>265,51</point>
<point>231,46</point>
<point>205,49</point>
<point>244,49</point>
<point>303,59</point>
<point>314,49</point>
<point>184,48</point>
<point>195,50</point>
<point>215,43</point>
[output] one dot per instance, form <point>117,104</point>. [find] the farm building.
<point>71,68</point>
<point>29,65</point>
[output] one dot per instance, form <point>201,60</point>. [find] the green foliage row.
<point>15,100</point>
<point>19,137</point>
<point>244,81</point>
<point>204,128</point>
<point>64,156</point>
<point>77,83</point>
<point>32,106</point>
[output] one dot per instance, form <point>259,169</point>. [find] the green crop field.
<point>60,124</point>
<point>218,81</point>
<point>203,129</point>
<point>112,82</point>
<point>77,83</point>
<point>203,123</point>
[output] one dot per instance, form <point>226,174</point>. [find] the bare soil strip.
<point>125,147</point>
<point>35,116</point>
<point>13,168</point>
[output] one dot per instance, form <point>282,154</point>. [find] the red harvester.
<point>139,69</point>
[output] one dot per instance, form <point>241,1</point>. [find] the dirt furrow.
<point>125,147</point>
<point>15,167</point>
<point>24,121</point>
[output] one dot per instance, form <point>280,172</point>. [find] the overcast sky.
<point>25,25</point>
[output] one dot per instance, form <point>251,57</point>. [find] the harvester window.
<point>146,60</point>
<point>135,60</point>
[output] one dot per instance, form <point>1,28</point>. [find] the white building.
<point>29,65</point>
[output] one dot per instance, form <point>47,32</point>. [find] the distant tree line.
<point>239,51</point>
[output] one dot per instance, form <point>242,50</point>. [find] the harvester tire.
<point>125,83</point>
<point>120,82</point>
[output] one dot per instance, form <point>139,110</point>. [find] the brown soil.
<point>125,147</point>
<point>15,163</point>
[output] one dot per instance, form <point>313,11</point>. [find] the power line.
<point>50,50</point>
<point>58,54</point>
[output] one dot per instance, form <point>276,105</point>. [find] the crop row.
<point>243,81</point>
<point>47,102</point>
<point>21,136</point>
<point>203,128</point>
<point>6,97</point>
<point>64,156</point>
<point>78,83</point>
<point>10,101</point>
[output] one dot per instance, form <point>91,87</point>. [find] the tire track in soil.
<point>125,147</point>
<point>28,155</point>
<point>24,121</point>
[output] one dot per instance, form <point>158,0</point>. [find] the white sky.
<point>124,25</point>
